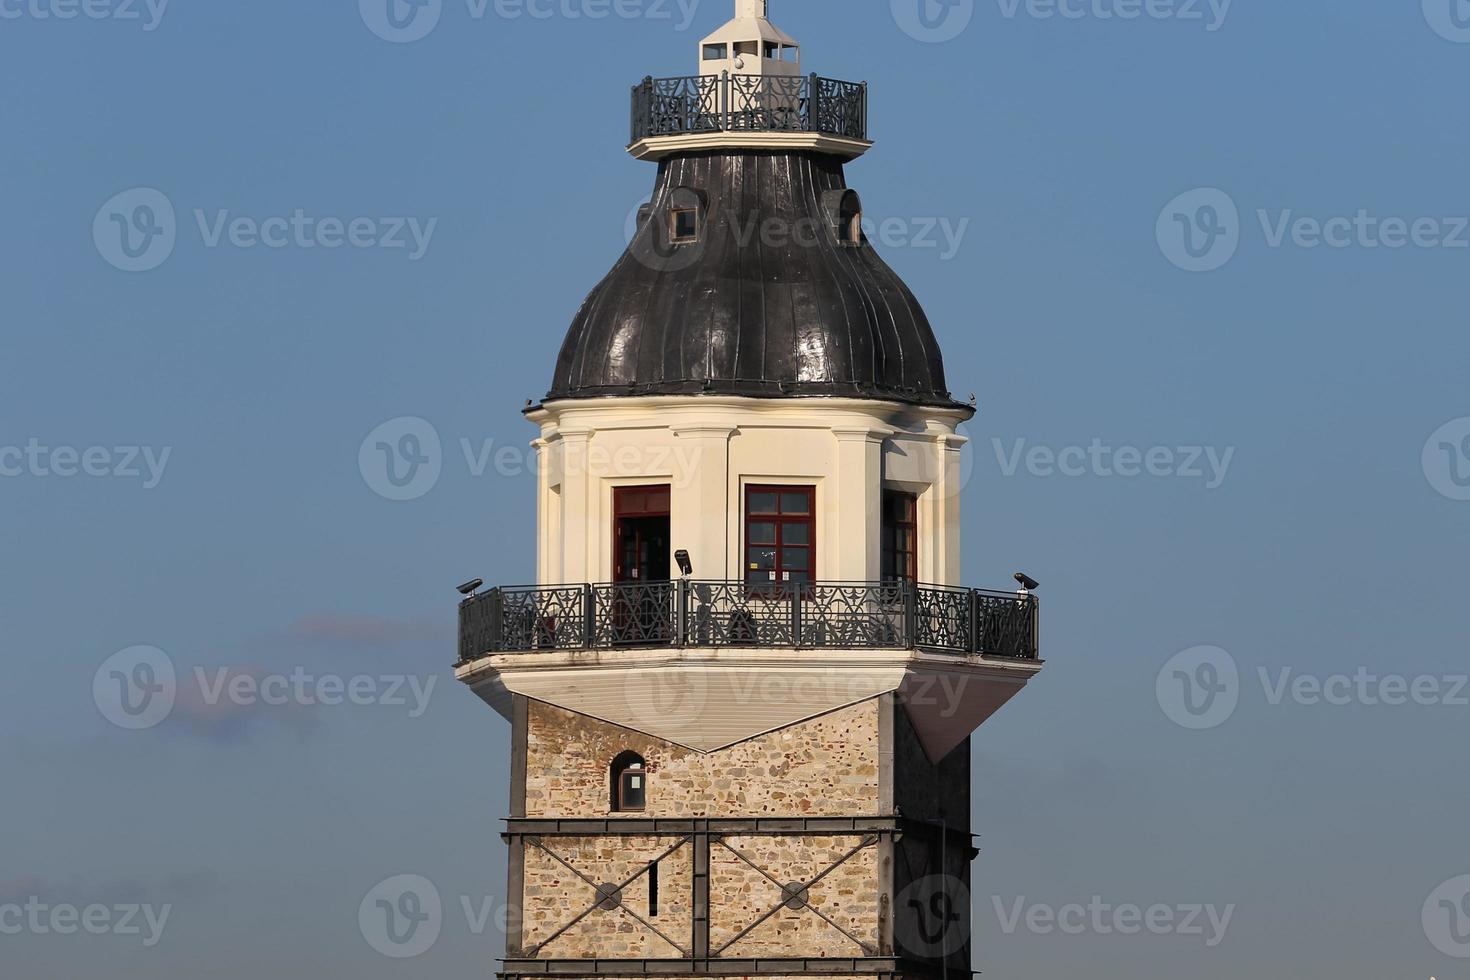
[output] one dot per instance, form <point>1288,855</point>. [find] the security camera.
<point>470,588</point>
<point>1027,582</point>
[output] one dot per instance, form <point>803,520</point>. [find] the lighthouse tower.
<point>743,689</point>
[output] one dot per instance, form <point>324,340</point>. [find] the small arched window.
<point>844,215</point>
<point>629,783</point>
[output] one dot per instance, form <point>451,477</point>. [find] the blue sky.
<point>1069,155</point>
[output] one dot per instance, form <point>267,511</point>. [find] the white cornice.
<point>708,699</point>
<point>658,147</point>
<point>699,409</point>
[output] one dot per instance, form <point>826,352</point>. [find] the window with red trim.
<point>780,534</point>
<point>900,542</point>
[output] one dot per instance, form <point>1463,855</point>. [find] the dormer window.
<point>845,215</point>
<point>683,225</point>
<point>716,52</point>
<point>629,783</point>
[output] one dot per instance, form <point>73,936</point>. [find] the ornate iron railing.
<point>749,103</point>
<point>684,613</point>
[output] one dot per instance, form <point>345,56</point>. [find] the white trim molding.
<point>658,147</point>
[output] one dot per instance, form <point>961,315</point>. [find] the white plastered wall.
<point>708,449</point>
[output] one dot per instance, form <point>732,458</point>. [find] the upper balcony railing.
<point>749,103</point>
<point>808,615</point>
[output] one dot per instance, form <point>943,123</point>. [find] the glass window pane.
<point>761,558</point>
<point>794,558</point>
<point>796,532</point>
<point>762,533</point>
<point>795,503</point>
<point>686,224</point>
<point>763,503</point>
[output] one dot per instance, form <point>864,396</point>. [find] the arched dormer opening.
<point>629,783</point>
<point>844,210</point>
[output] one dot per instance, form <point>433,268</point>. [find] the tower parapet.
<point>748,91</point>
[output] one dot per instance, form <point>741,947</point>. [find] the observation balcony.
<point>714,614</point>
<point>711,104</point>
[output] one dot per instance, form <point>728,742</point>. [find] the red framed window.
<point>900,542</point>
<point>780,534</point>
<point>641,550</point>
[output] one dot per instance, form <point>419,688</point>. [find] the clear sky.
<point>1326,539</point>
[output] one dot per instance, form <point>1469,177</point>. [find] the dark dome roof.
<point>768,302</point>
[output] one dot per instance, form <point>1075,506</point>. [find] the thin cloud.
<point>365,631</point>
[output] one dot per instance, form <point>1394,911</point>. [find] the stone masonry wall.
<point>740,895</point>
<point>827,766</point>
<point>557,893</point>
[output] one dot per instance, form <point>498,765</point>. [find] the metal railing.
<point>749,103</point>
<point>808,615</point>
